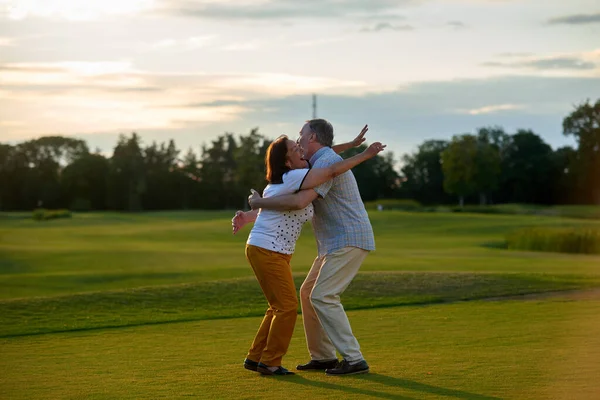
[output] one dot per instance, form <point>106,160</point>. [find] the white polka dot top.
<point>278,230</point>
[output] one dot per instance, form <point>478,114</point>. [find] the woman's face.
<point>294,155</point>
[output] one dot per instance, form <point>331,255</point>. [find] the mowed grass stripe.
<point>134,250</point>
<point>242,298</point>
<point>474,350</point>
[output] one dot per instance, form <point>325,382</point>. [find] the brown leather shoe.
<point>317,365</point>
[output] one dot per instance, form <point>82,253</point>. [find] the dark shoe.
<point>264,369</point>
<point>251,365</point>
<point>317,365</point>
<point>344,368</point>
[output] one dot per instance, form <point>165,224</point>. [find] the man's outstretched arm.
<point>296,201</point>
<point>340,148</point>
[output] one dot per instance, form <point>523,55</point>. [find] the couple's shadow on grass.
<point>337,383</point>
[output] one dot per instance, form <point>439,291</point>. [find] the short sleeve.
<point>324,188</point>
<point>292,180</point>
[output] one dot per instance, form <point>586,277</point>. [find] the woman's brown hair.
<point>275,160</point>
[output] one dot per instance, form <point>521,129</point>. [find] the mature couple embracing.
<point>307,179</point>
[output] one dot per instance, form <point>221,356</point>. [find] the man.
<point>344,238</point>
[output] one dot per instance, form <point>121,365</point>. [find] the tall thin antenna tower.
<point>314,106</point>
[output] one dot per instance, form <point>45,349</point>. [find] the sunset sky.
<point>192,70</point>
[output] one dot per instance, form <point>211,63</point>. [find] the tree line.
<point>490,166</point>
<point>493,166</point>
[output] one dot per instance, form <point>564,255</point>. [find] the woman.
<point>272,241</point>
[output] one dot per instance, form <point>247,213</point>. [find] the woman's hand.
<point>252,199</point>
<point>238,221</point>
<point>374,149</point>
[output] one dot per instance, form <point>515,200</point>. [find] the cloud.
<point>457,25</point>
<point>318,42</point>
<point>510,55</point>
<point>87,97</point>
<point>244,46</point>
<point>490,109</point>
<point>190,43</point>
<point>75,10</point>
<point>577,19</point>
<point>200,108</point>
<point>547,64</point>
<point>6,42</point>
<point>279,9</point>
<point>386,26</point>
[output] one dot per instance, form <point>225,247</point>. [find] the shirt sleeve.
<point>293,179</point>
<point>324,188</point>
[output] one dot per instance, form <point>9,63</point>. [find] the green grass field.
<point>164,305</point>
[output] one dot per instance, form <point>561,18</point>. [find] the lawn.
<point>164,305</point>
<point>473,350</point>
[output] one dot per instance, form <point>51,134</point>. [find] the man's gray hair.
<point>323,130</point>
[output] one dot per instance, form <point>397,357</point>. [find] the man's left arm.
<point>339,148</point>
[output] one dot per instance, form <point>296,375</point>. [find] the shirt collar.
<point>318,154</point>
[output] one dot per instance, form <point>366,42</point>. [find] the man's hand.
<point>374,149</point>
<point>361,137</point>
<point>252,199</point>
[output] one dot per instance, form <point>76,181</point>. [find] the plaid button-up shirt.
<point>340,218</point>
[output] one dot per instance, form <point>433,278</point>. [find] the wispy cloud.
<point>577,19</point>
<point>84,97</point>
<point>547,64</point>
<point>381,17</point>
<point>490,109</point>
<point>280,9</point>
<point>75,10</point>
<point>457,25</point>
<point>318,42</point>
<point>511,55</point>
<point>191,43</point>
<point>244,46</point>
<point>6,42</point>
<point>386,26</point>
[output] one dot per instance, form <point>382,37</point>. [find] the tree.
<point>459,164</point>
<point>423,175</point>
<point>217,172</point>
<point>251,171</point>
<point>188,169</point>
<point>230,167</point>
<point>127,176</point>
<point>566,184</point>
<point>529,171</point>
<point>376,177</point>
<point>85,183</point>
<point>162,183</point>
<point>584,124</point>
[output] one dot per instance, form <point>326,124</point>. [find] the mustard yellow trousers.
<point>274,275</point>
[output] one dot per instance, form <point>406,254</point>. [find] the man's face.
<point>304,138</point>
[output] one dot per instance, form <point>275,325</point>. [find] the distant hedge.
<point>394,204</point>
<point>41,214</point>
<point>561,240</point>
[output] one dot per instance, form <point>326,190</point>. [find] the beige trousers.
<point>326,324</point>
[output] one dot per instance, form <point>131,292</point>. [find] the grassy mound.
<point>243,298</point>
<point>560,240</point>
<point>42,214</point>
